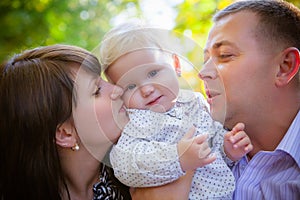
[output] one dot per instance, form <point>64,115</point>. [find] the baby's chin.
<point>159,108</point>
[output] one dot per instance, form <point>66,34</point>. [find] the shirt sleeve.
<point>140,161</point>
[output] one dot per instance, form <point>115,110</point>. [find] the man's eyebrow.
<point>217,45</point>
<point>223,43</point>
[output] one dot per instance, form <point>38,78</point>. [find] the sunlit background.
<point>32,23</point>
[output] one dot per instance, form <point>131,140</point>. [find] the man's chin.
<point>217,116</point>
<point>229,123</point>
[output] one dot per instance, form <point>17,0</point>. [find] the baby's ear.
<point>66,135</point>
<point>177,64</point>
<point>288,67</point>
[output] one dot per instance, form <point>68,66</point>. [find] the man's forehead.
<point>231,30</point>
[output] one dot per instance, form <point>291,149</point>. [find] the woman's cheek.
<point>104,121</point>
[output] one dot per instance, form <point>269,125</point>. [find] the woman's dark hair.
<point>36,96</point>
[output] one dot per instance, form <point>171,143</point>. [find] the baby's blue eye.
<point>152,73</point>
<point>131,86</point>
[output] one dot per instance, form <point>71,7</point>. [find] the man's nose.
<point>209,70</point>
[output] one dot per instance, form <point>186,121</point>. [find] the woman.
<point>58,119</point>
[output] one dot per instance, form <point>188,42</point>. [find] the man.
<point>251,73</point>
<point>251,65</point>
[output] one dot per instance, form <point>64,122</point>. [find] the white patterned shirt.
<point>272,174</point>
<point>146,153</point>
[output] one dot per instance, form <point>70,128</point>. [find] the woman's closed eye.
<point>98,91</point>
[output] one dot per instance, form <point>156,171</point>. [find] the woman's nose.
<point>117,92</point>
<point>209,71</point>
<point>147,90</point>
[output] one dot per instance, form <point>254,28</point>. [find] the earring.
<point>75,147</point>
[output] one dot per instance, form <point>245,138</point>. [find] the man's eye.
<point>131,87</point>
<point>97,92</point>
<point>223,56</point>
<point>152,73</point>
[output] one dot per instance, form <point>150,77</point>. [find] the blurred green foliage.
<point>26,24</point>
<point>194,16</point>
<point>194,20</point>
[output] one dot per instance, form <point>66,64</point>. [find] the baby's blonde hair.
<point>125,38</point>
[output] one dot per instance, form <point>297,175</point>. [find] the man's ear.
<point>289,66</point>
<point>66,135</point>
<point>177,64</point>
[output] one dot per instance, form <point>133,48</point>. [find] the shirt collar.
<point>291,141</point>
<point>185,96</point>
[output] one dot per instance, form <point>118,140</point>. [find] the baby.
<point>153,149</point>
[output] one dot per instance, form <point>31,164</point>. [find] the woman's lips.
<point>123,108</point>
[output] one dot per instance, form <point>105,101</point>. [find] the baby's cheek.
<point>134,101</point>
<point>126,99</point>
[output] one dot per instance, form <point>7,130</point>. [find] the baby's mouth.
<point>153,102</point>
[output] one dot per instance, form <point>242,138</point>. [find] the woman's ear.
<point>177,64</point>
<point>289,66</point>
<point>66,135</point>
